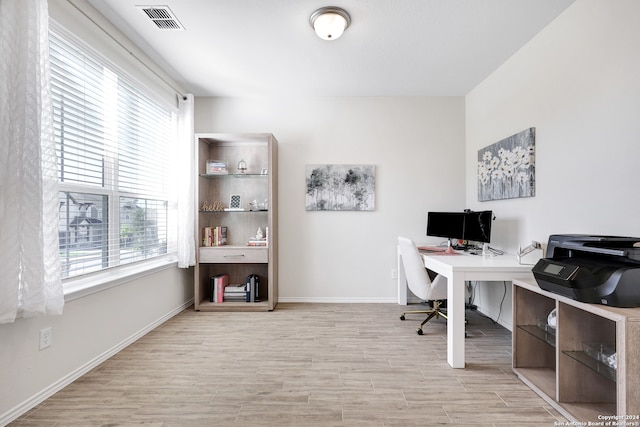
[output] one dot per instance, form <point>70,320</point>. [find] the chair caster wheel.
<point>402,317</point>
<point>419,331</point>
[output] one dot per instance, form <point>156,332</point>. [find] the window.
<point>114,145</point>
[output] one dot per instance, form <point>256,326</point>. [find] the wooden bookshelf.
<point>213,199</point>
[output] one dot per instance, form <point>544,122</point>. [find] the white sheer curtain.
<point>186,212</point>
<point>29,257</point>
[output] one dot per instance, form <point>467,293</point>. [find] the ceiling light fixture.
<point>330,22</point>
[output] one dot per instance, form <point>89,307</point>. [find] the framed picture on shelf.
<point>234,201</point>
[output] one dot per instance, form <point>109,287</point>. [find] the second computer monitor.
<point>477,226</point>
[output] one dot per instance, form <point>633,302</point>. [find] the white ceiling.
<point>392,48</point>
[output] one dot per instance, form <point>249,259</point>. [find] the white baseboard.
<point>49,391</point>
<point>325,300</point>
<point>502,321</point>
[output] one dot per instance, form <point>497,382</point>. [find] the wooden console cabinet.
<point>557,363</point>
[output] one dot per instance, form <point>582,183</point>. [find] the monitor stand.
<point>449,250</point>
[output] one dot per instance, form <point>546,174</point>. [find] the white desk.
<point>459,269</point>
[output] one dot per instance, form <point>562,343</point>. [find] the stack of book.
<point>260,241</point>
<point>257,242</point>
<point>214,236</point>
<point>218,285</point>
<point>235,293</point>
<point>216,167</point>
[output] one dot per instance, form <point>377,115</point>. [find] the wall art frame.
<point>335,187</point>
<point>506,169</point>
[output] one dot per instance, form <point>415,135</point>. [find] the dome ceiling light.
<point>330,22</point>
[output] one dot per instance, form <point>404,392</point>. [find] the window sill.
<point>76,288</point>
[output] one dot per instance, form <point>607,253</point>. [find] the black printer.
<point>593,269</point>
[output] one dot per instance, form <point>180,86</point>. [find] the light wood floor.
<point>301,365</point>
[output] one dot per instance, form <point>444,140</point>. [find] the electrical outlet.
<point>45,338</point>
<point>394,273</point>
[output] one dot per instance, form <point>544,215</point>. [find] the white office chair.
<point>419,282</point>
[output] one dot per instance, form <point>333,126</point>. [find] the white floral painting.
<point>506,169</point>
<point>340,187</point>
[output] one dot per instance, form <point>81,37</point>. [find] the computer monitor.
<point>477,226</point>
<point>446,224</point>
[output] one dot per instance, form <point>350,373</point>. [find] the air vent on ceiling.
<point>162,17</point>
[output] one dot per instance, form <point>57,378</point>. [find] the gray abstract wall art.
<point>340,187</point>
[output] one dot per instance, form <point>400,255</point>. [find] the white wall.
<point>578,83</point>
<point>417,145</point>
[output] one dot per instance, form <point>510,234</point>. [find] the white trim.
<point>49,391</point>
<point>82,286</point>
<point>339,300</point>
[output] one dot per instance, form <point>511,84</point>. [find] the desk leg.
<point>455,321</point>
<point>402,282</point>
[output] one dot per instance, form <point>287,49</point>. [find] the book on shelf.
<point>218,284</point>
<point>235,289</point>
<point>221,235</point>
<point>223,282</point>
<point>214,236</point>
<point>207,237</point>
<point>252,288</point>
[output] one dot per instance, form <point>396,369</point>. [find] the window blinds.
<point>114,145</point>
